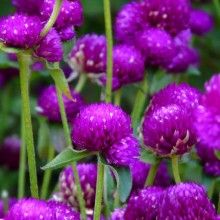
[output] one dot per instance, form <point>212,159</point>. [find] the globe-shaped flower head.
<point>107,129</point>
<point>89,54</point>
<point>117,214</point>
<point>48,104</point>
<point>87,175</point>
<point>168,123</point>
<point>186,201</point>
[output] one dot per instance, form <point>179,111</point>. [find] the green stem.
<point>118,97</point>
<point>5,201</point>
<point>24,62</point>
<point>217,6</point>
<point>47,175</point>
<point>108,28</point>
<point>175,168</point>
<point>116,200</point>
<point>211,189</point>
<point>69,143</point>
<point>81,83</point>
<point>99,190</point>
<point>152,174</point>
<point>52,18</point>
<point>218,210</point>
<point>22,163</point>
<point>139,102</point>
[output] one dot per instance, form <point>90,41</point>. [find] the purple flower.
<point>89,54</point>
<point>67,33</point>
<point>118,214</point>
<point>144,205</point>
<point>200,22</point>
<point>20,31</point>
<point>105,127</point>
<point>33,209</point>
<point>87,175</point>
<point>10,152</point>
<point>169,15</point>
<point>130,20</point>
<point>157,46</point>
<point>50,47</point>
<point>140,172</point>
<point>128,66</point>
<point>11,202</point>
<point>186,201</point>
<point>31,7</point>
<point>70,13</point>
<point>48,104</point>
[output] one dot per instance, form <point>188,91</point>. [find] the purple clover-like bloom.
<point>186,201</point>
<point>89,54</point>
<point>140,172</point>
<point>48,104</point>
<point>130,20</point>
<point>105,127</point>
<point>168,123</point>
<point>11,202</point>
<point>50,47</point>
<point>88,176</point>
<point>128,66</point>
<point>10,152</point>
<point>200,22</point>
<point>144,205</point>
<point>70,13</point>
<point>170,15</point>
<point>20,31</point>
<point>67,33</point>
<point>157,46</point>
<point>33,209</point>
<point>117,214</point>
<point>31,7</point>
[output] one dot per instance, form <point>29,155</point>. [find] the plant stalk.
<point>217,6</point>
<point>24,62</point>
<point>117,97</point>
<point>175,168</point>
<point>152,173</point>
<point>81,82</point>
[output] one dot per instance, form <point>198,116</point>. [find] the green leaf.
<point>66,157</point>
<point>147,156</point>
<point>43,138</point>
<point>6,49</point>
<point>67,46</point>
<point>59,79</point>
<point>217,154</point>
<point>193,71</point>
<point>5,62</point>
<point>123,178</point>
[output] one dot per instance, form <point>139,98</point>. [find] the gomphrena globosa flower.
<point>89,54</point>
<point>20,31</point>
<point>50,47</point>
<point>11,202</point>
<point>10,152</point>
<point>48,104</point>
<point>157,46</point>
<point>67,33</point>
<point>33,209</point>
<point>144,205</point>
<point>88,176</point>
<point>105,128</point>
<point>186,201</point>
<point>128,66</point>
<point>200,22</point>
<point>70,13</point>
<point>130,20</point>
<point>168,122</point>
<point>140,170</point>
<point>208,127</point>
<point>170,15</point>
<point>117,214</point>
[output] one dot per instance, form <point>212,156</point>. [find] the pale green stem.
<point>118,97</point>
<point>24,62</point>
<point>47,175</point>
<point>81,83</point>
<point>175,167</point>
<point>52,18</point>
<point>108,28</point>
<point>218,210</point>
<point>69,143</point>
<point>105,193</point>
<point>99,190</point>
<point>5,201</point>
<point>211,189</point>
<point>139,102</point>
<point>217,6</point>
<point>116,200</point>
<point>22,163</point>
<point>152,174</point>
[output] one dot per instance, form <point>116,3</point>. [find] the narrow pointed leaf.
<point>65,158</point>
<point>147,156</point>
<point>217,154</point>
